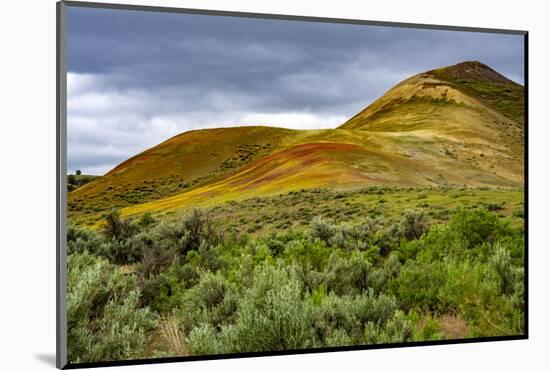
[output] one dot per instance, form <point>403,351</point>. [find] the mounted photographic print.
<point>236,185</point>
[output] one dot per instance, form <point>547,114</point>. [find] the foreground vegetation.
<point>190,285</point>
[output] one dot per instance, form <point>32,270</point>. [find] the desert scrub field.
<point>296,209</point>
<point>152,287</point>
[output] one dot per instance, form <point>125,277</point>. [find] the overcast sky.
<point>137,78</point>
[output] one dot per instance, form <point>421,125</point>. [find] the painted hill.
<point>446,94</point>
<point>458,125</point>
<point>180,163</point>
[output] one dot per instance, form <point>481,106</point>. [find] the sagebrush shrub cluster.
<point>371,281</point>
<point>104,318</point>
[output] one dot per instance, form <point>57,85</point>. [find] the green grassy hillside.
<point>75,181</point>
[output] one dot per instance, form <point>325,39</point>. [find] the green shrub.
<point>322,229</point>
<point>198,228</point>
<point>71,179</point>
<point>332,314</point>
<point>515,245</point>
<point>520,213</point>
<point>494,207</point>
<point>155,256</point>
<point>312,255</point>
<point>368,307</point>
<point>379,278</point>
<point>387,239</point>
<point>104,321</point>
<point>417,285</point>
<point>146,220</point>
<point>275,246</point>
<point>122,251</point>
<point>165,292</point>
<point>169,234</point>
<point>508,275</point>
<point>429,330</point>
<point>478,227</point>
<point>338,338</point>
<point>413,225</point>
<point>465,283</point>
<point>343,320</point>
<point>476,290</point>
<point>271,316</point>
<point>211,301</point>
<point>154,293</point>
<point>399,329</point>
<point>203,339</point>
<point>80,240</point>
<point>470,234</point>
<point>351,237</point>
<point>347,275</point>
<point>206,258</point>
<point>184,275</point>
<point>114,227</point>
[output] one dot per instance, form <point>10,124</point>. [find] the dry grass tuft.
<point>128,269</point>
<point>174,337</point>
<point>453,326</point>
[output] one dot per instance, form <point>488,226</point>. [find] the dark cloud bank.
<point>137,78</point>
